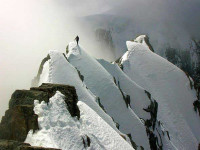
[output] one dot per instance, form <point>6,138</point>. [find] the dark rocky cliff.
<point>16,145</point>
<point>19,119</point>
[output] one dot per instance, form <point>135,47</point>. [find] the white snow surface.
<point>138,98</point>
<point>59,130</point>
<point>101,83</point>
<point>97,83</point>
<point>60,71</point>
<point>170,87</point>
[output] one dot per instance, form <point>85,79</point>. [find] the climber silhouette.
<point>77,39</point>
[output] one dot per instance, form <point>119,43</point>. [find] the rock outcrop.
<point>35,81</point>
<point>20,118</point>
<point>15,145</point>
<point>17,122</point>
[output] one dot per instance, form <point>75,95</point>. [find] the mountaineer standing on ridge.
<point>77,39</point>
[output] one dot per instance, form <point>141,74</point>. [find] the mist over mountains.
<point>29,29</point>
<point>167,23</point>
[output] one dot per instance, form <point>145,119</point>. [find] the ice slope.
<point>58,70</point>
<point>101,84</point>
<point>170,87</point>
<point>138,99</point>
<point>59,130</point>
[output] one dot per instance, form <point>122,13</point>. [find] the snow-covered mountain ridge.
<point>172,89</point>
<point>141,102</point>
<point>178,46</point>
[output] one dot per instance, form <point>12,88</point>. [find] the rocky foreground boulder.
<point>15,145</point>
<point>20,118</point>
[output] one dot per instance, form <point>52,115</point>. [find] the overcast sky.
<point>29,28</point>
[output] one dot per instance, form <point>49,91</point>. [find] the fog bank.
<point>29,29</point>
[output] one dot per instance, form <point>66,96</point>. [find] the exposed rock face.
<point>71,98</point>
<point>19,119</point>
<point>35,81</point>
<point>196,105</point>
<point>27,97</point>
<point>148,43</point>
<point>43,93</point>
<point>15,145</point>
<point>17,122</point>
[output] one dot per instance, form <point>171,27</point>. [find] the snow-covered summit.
<point>172,89</point>
<point>140,39</point>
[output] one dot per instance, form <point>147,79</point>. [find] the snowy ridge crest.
<point>171,87</point>
<point>141,103</point>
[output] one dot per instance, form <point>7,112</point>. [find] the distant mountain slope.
<point>167,39</point>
